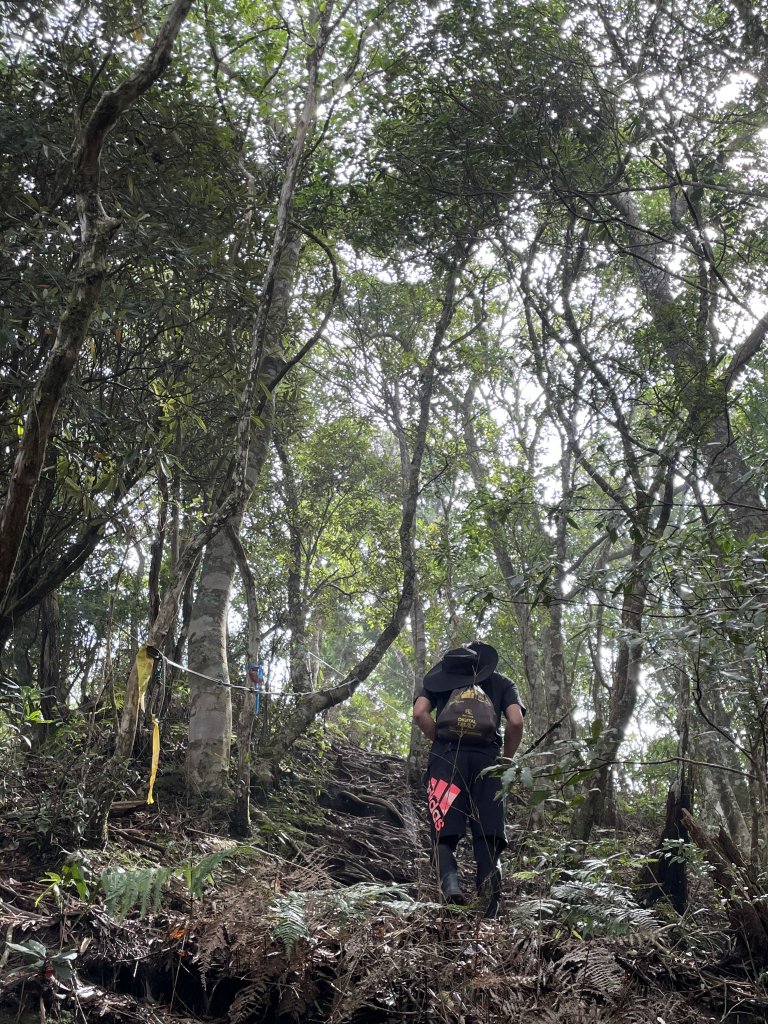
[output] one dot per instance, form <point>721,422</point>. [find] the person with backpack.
<point>469,698</point>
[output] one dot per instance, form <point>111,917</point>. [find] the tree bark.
<point>211,707</point>
<point>240,822</point>
<point>724,793</point>
<point>50,660</point>
<point>158,545</point>
<point>416,745</point>
<point>626,679</point>
<point>300,678</point>
<point>666,876</point>
<point>210,715</point>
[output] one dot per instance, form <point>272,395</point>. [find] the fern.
<point>348,905</point>
<point>531,913</point>
<point>601,908</point>
<point>124,891</point>
<point>294,913</point>
<point>290,920</point>
<point>195,875</point>
<point>593,968</point>
<point>248,1003</point>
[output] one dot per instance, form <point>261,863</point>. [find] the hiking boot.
<point>489,894</point>
<point>450,888</point>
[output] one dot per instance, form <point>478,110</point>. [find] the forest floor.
<point>330,916</point>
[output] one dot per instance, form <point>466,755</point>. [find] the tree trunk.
<point>666,877</point>
<point>210,708</point>
<point>240,822</point>
<point>50,661</point>
<point>558,686</point>
<point>158,544</point>
<point>211,705</point>
<point>210,713</point>
<point>626,678</point>
<point>746,903</point>
<point>300,678</point>
<point>418,637</point>
<point>417,745</point>
<point>758,790</point>
<point>724,793</point>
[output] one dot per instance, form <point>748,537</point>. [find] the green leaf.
<point>69,955</point>
<point>31,948</point>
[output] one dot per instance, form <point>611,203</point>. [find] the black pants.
<point>457,795</point>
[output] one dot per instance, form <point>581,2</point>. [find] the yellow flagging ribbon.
<point>144,665</point>
<point>155,758</point>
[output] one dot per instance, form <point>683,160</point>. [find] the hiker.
<point>470,698</point>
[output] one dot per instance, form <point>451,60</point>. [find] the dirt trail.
<point>334,920</point>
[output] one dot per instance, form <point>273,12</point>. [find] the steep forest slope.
<point>331,915</point>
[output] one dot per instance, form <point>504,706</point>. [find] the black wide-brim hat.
<point>461,665</point>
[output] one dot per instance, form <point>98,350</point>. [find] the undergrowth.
<point>142,889</point>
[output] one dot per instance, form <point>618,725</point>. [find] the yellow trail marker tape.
<point>144,665</point>
<point>155,757</point>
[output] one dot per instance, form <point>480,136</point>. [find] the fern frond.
<point>124,891</point>
<point>296,913</point>
<point>248,1004</point>
<point>593,968</point>
<point>532,912</point>
<point>406,908</point>
<point>602,908</point>
<point>350,904</point>
<point>290,922</point>
<point>196,874</point>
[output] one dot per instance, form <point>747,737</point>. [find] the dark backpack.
<point>468,715</point>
